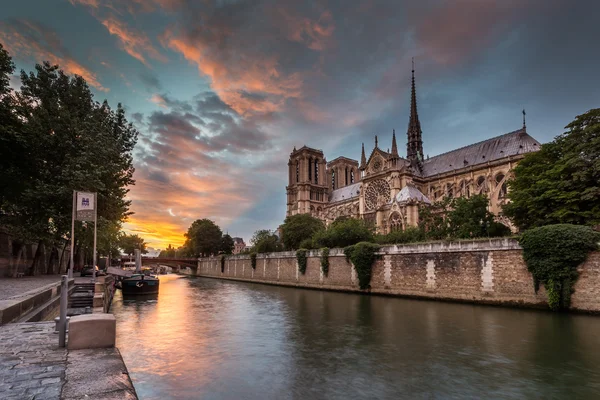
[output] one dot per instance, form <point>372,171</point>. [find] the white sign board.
<point>85,207</point>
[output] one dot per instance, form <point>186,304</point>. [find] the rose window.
<point>377,194</point>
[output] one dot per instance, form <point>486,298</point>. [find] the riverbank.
<point>484,272</point>
<point>33,366</point>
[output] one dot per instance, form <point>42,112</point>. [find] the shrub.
<point>222,264</point>
<point>301,257</point>
<point>307,244</point>
<point>325,260</point>
<point>362,256</point>
<point>297,228</point>
<point>552,254</point>
<point>253,260</point>
<point>343,232</point>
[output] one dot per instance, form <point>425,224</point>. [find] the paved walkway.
<point>32,366</point>
<point>15,287</point>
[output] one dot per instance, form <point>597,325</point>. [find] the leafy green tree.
<point>411,234</point>
<point>560,183</point>
<point>169,252</point>
<point>131,242</point>
<point>298,227</point>
<point>55,139</point>
<point>432,219</point>
<point>343,232</point>
<point>227,244</point>
<point>265,241</point>
<point>204,238</point>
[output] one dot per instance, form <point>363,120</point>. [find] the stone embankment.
<point>488,272</point>
<point>33,366</point>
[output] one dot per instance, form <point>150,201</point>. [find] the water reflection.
<point>205,338</point>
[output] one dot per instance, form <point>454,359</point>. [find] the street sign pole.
<point>95,231</point>
<point>73,211</point>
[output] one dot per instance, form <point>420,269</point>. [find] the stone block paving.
<point>19,287</point>
<point>32,366</point>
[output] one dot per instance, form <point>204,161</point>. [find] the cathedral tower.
<point>307,189</point>
<point>414,147</point>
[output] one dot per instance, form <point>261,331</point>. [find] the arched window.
<point>503,188</point>
<point>346,177</point>
<point>310,169</point>
<point>395,222</point>
<point>297,171</point>
<point>449,190</point>
<point>316,171</point>
<point>481,186</point>
<point>352,175</point>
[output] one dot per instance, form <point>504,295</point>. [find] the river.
<point>213,339</point>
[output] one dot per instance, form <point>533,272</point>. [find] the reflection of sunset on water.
<point>209,338</point>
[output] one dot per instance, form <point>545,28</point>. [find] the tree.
<point>298,227</point>
<point>131,242</point>
<point>204,238</point>
<point>55,139</point>
<point>265,241</point>
<point>227,244</point>
<point>460,218</point>
<point>560,183</point>
<point>169,252</point>
<point>343,232</point>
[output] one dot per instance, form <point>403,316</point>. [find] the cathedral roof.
<point>345,193</point>
<point>509,144</point>
<point>409,193</point>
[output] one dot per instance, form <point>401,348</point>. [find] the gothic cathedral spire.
<point>363,159</point>
<point>394,146</point>
<point>414,147</point>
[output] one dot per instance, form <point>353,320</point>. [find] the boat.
<point>139,283</point>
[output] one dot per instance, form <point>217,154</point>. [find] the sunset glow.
<point>221,92</point>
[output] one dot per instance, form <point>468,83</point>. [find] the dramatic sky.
<point>221,91</point>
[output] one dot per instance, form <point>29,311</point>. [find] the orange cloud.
<point>42,45</point>
<point>231,81</point>
<point>136,44</point>
<point>315,35</point>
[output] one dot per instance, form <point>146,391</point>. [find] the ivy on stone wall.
<point>553,253</point>
<point>253,260</point>
<point>301,257</point>
<point>325,260</point>
<point>222,264</point>
<point>362,255</point>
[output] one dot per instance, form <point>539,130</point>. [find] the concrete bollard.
<point>92,331</point>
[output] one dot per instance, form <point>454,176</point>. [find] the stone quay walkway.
<point>33,367</point>
<point>16,287</point>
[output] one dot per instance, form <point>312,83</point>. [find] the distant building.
<point>238,245</point>
<point>386,189</point>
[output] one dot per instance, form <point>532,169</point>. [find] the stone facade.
<point>386,189</point>
<point>491,271</point>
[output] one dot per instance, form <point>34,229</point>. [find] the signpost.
<point>84,209</point>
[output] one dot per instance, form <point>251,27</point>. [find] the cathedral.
<point>386,189</point>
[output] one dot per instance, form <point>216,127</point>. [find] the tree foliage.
<point>553,253</point>
<point>560,183</point>
<point>460,218</point>
<point>204,238</point>
<point>128,243</point>
<point>227,244</point>
<point>343,232</point>
<point>411,234</point>
<point>55,138</point>
<point>265,241</point>
<point>325,260</point>
<point>299,227</point>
